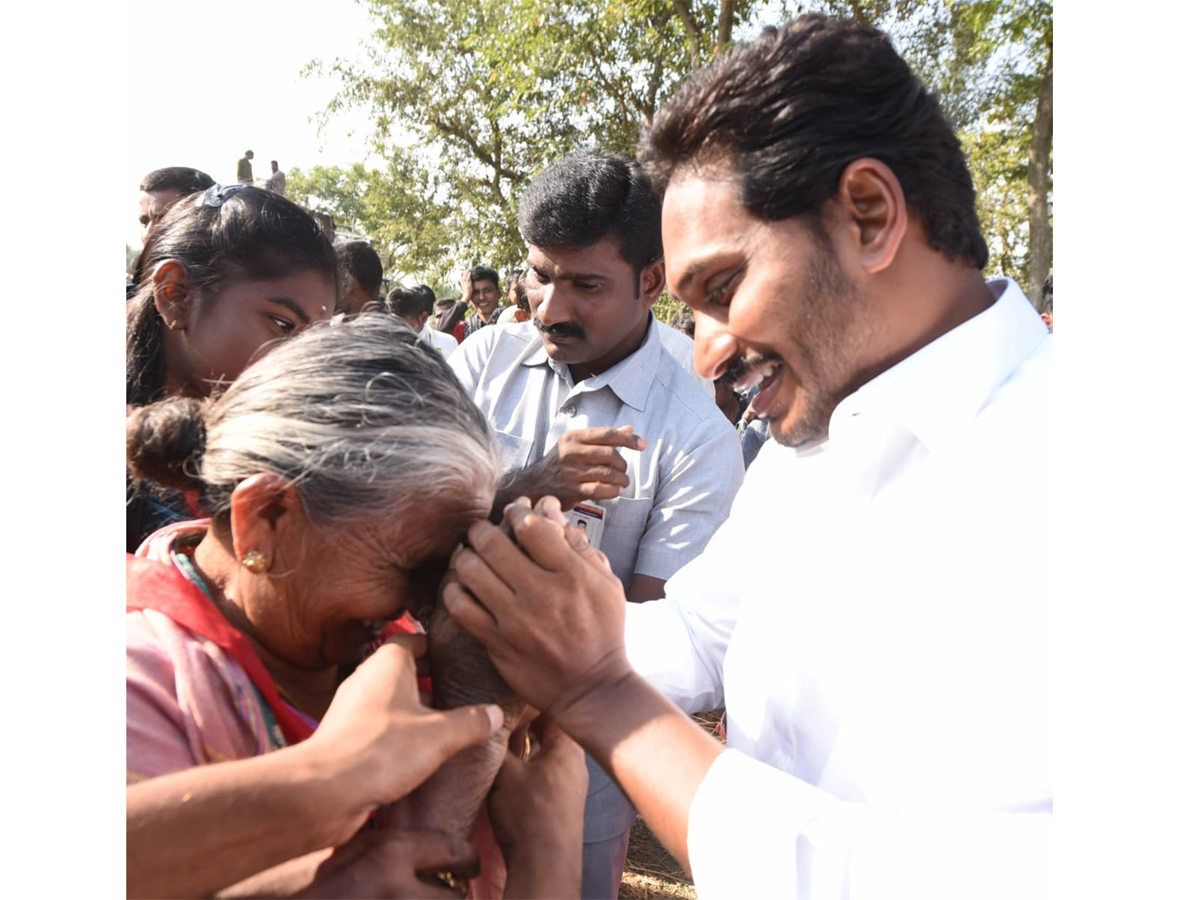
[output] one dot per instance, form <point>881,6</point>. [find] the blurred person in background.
<point>361,276</point>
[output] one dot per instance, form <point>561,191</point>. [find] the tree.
<point>991,63</point>
<point>472,98</point>
<point>479,95</point>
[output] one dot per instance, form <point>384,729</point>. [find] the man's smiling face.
<point>773,306</point>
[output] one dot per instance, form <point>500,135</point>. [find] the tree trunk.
<point>684,10</point>
<point>1041,243</point>
<point>724,25</point>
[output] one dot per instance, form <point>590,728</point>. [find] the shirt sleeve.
<point>468,361</point>
<point>185,705</point>
<point>692,499</point>
<point>751,826</point>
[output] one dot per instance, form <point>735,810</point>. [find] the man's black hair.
<point>1047,304</point>
<point>407,301</point>
<point>430,298</point>
<point>586,196</point>
<point>485,273</point>
<point>684,321</point>
<point>788,112</point>
<point>184,179</point>
<point>358,260</point>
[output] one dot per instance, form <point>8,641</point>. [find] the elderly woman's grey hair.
<point>359,415</point>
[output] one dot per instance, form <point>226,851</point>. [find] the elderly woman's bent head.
<point>342,470</point>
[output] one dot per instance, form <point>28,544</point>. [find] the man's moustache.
<point>564,329</point>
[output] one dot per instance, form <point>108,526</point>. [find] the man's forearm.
<point>655,752</point>
<point>194,832</point>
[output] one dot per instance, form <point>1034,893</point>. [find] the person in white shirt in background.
<point>885,661</point>
<point>414,306</point>
<point>276,181</point>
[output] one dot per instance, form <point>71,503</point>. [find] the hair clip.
<point>219,193</point>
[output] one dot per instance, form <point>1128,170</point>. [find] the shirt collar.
<point>631,379</point>
<point>939,390</point>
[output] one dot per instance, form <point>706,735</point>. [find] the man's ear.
<point>172,293</point>
<point>653,279</point>
<point>263,510</point>
<point>870,194</point>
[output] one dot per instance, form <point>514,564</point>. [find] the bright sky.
<point>223,77</point>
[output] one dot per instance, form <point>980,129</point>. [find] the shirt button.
<point>570,411</point>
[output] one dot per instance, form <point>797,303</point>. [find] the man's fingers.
<point>610,437</point>
<point>544,541</point>
<point>584,456</point>
<point>471,616</point>
<point>457,729</point>
<point>496,550</point>
<point>551,508</point>
<point>605,475</point>
<point>478,577</point>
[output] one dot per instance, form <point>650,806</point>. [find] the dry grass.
<point>651,873</point>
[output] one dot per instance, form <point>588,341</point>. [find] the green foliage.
<point>472,98</point>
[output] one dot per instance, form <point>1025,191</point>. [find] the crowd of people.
<point>421,591</point>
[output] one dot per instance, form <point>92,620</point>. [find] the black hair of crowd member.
<point>407,301</point>
<point>358,260</point>
<point>587,196</point>
<point>789,111</point>
<point>516,281</point>
<point>252,234</point>
<point>486,273</point>
<point>430,298</point>
<point>184,179</point>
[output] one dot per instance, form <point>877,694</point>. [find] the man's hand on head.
<point>584,465</point>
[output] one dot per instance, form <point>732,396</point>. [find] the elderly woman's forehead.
<point>426,529</point>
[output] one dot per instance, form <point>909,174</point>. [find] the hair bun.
<point>164,443</point>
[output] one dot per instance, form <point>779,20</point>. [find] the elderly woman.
<point>342,470</point>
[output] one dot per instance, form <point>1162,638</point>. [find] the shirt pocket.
<point>514,451</point>
<point>625,521</point>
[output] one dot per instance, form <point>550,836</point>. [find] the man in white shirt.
<point>414,306</point>
<point>591,408</point>
<point>276,181</point>
<point>871,614</point>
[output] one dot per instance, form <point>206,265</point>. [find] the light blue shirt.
<point>681,486</point>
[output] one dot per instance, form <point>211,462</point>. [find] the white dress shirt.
<point>443,343</point>
<point>683,348</point>
<point>875,616</point>
<point>681,485</point>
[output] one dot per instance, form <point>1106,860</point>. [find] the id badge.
<point>591,519</point>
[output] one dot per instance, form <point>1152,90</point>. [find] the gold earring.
<point>255,561</point>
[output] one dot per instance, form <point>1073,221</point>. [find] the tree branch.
<point>725,25</point>
<point>684,11</point>
<point>612,89</point>
<point>477,151</point>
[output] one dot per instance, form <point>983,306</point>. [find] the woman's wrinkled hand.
<point>536,812</point>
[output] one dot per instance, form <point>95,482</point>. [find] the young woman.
<point>227,272</point>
